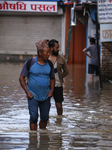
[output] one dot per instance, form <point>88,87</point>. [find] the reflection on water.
<point>85,124</point>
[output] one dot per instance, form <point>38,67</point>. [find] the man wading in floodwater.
<point>61,71</point>
<point>93,66</point>
<point>38,90</point>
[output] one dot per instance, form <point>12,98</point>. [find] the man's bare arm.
<point>85,51</point>
<point>24,86</point>
<point>52,84</point>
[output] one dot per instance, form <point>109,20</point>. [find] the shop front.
<point>23,23</point>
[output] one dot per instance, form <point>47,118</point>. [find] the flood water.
<point>86,123</point>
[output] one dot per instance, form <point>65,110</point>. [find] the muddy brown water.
<point>86,123</point>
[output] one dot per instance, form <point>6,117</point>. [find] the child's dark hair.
<point>52,43</point>
<point>92,40</point>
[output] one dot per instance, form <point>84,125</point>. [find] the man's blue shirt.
<point>38,80</point>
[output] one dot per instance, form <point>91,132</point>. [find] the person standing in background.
<point>61,70</point>
<point>93,66</point>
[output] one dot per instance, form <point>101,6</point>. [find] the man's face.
<point>55,49</point>
<point>45,53</point>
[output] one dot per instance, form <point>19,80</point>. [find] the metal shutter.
<point>18,34</point>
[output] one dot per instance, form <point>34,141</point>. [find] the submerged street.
<point>86,123</point>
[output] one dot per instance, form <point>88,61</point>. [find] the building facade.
<point>24,23</point>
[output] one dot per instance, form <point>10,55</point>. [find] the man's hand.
<point>29,95</point>
<point>89,56</point>
<point>50,94</point>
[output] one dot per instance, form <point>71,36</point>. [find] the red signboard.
<point>28,6</point>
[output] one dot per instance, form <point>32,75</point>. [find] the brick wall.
<point>106,61</point>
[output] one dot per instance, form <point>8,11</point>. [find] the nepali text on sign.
<point>28,6</point>
<point>106,32</point>
<point>105,11</point>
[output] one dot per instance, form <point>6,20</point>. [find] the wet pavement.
<point>86,123</point>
